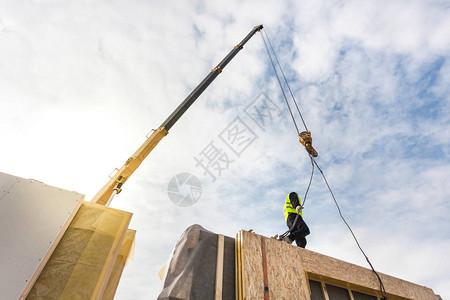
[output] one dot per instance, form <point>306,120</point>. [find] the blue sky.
<point>82,83</point>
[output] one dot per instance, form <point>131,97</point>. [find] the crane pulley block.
<point>306,140</point>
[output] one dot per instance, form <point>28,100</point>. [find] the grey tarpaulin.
<point>191,273</point>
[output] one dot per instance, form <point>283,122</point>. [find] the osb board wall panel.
<point>286,278</point>
<point>252,268</point>
<point>287,266</point>
<point>343,271</point>
<point>416,291</point>
<point>33,217</point>
<point>330,267</point>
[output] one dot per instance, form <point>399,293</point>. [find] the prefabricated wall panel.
<point>202,265</point>
<point>33,218</point>
<point>82,263</point>
<point>125,254</point>
<point>270,269</point>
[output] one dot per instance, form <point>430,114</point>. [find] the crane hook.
<point>306,140</point>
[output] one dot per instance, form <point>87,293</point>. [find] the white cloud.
<point>82,83</point>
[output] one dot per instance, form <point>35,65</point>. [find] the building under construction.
<point>205,265</point>
<point>55,245</point>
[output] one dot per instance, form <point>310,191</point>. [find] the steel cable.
<point>313,161</point>
<point>382,289</point>
<point>310,181</point>
<point>279,82</point>
<point>285,80</point>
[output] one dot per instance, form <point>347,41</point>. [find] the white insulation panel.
<point>33,218</point>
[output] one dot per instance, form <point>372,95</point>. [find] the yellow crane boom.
<point>114,185</point>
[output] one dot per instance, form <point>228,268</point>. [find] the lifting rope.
<point>279,81</point>
<point>285,80</point>
<point>382,289</point>
<point>313,161</point>
<point>310,180</point>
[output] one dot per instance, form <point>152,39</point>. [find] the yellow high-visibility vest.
<point>288,209</point>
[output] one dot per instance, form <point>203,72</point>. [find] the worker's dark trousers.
<point>300,230</point>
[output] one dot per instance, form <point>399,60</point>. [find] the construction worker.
<point>294,220</point>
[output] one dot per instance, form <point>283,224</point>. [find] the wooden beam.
<point>238,266</point>
<point>112,256</point>
<point>126,253</point>
<point>324,290</point>
<point>350,294</point>
<point>219,267</point>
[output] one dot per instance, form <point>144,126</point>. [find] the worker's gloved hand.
<point>299,208</point>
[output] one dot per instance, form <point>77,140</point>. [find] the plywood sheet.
<point>33,217</point>
<point>252,266</point>
<point>286,277</point>
<point>288,269</point>
<point>357,276</point>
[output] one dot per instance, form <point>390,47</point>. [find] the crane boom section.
<point>132,163</point>
<point>181,109</point>
<point>116,182</point>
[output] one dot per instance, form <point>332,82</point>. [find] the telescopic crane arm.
<point>114,185</point>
